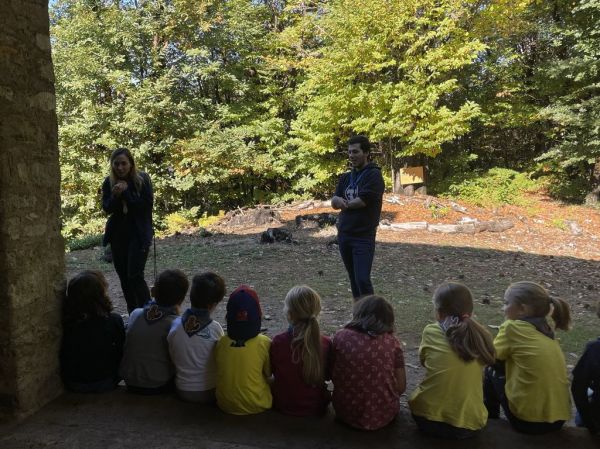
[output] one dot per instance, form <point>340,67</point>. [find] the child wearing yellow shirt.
<point>534,392</point>
<point>242,356</point>
<point>449,401</point>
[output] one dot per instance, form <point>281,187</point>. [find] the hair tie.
<point>465,316</point>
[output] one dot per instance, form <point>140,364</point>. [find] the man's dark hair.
<point>363,141</point>
<point>170,288</point>
<point>207,289</point>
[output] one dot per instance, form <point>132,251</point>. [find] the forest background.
<point>227,103</point>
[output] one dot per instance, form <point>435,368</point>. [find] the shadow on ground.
<point>122,420</point>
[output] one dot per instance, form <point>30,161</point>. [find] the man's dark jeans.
<point>129,258</point>
<point>357,254</point>
<point>494,396</point>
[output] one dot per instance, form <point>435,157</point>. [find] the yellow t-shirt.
<point>452,391</point>
<point>242,373</point>
<point>537,388</point>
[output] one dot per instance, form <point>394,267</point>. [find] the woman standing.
<point>127,197</point>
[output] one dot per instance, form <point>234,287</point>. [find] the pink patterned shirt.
<point>364,378</point>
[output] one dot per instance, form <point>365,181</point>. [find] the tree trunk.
<point>593,198</point>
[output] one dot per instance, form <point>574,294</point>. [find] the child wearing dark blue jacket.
<point>93,336</point>
<point>586,386</point>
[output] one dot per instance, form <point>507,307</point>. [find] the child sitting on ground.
<point>93,336</point>
<point>368,367</point>
<point>534,392</point>
<point>193,338</point>
<point>146,366</point>
<point>243,366</point>
<point>454,351</point>
<point>299,357</point>
<point>586,386</point>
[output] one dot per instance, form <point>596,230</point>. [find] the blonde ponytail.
<point>561,313</point>
<point>303,305</point>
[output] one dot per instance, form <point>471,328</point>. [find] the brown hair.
<point>170,288</point>
<point>538,301</point>
<point>86,296</point>
<point>469,339</point>
<point>207,289</point>
<point>372,314</point>
<point>133,173</point>
<point>302,306</point>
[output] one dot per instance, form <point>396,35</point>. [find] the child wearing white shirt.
<point>192,340</point>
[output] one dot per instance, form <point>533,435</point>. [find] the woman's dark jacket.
<point>137,220</point>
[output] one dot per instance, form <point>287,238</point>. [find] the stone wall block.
<point>6,94</point>
<point>31,247</point>
<point>43,42</point>
<point>44,101</point>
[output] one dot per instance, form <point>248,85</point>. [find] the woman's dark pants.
<point>357,254</point>
<point>129,259</point>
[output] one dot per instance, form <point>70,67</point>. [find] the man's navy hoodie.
<point>368,185</point>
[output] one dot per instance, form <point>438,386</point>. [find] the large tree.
<point>387,69</point>
<point>574,90</point>
<point>184,84</point>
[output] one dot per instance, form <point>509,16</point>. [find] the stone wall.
<point>31,249</point>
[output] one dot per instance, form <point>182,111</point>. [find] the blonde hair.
<point>540,302</point>
<point>469,339</point>
<point>303,305</point>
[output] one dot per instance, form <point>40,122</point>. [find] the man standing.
<point>358,196</point>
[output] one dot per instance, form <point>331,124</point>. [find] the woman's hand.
<point>119,188</point>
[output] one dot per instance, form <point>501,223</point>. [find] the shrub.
<point>85,242</point>
<point>496,186</point>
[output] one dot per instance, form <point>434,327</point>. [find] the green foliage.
<point>559,223</point>
<point>575,108</point>
<point>385,69</point>
<point>231,103</point>
<point>438,212</point>
<point>496,186</point>
<point>89,241</point>
<point>175,222</point>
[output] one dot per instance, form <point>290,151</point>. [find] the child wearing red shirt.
<point>299,357</point>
